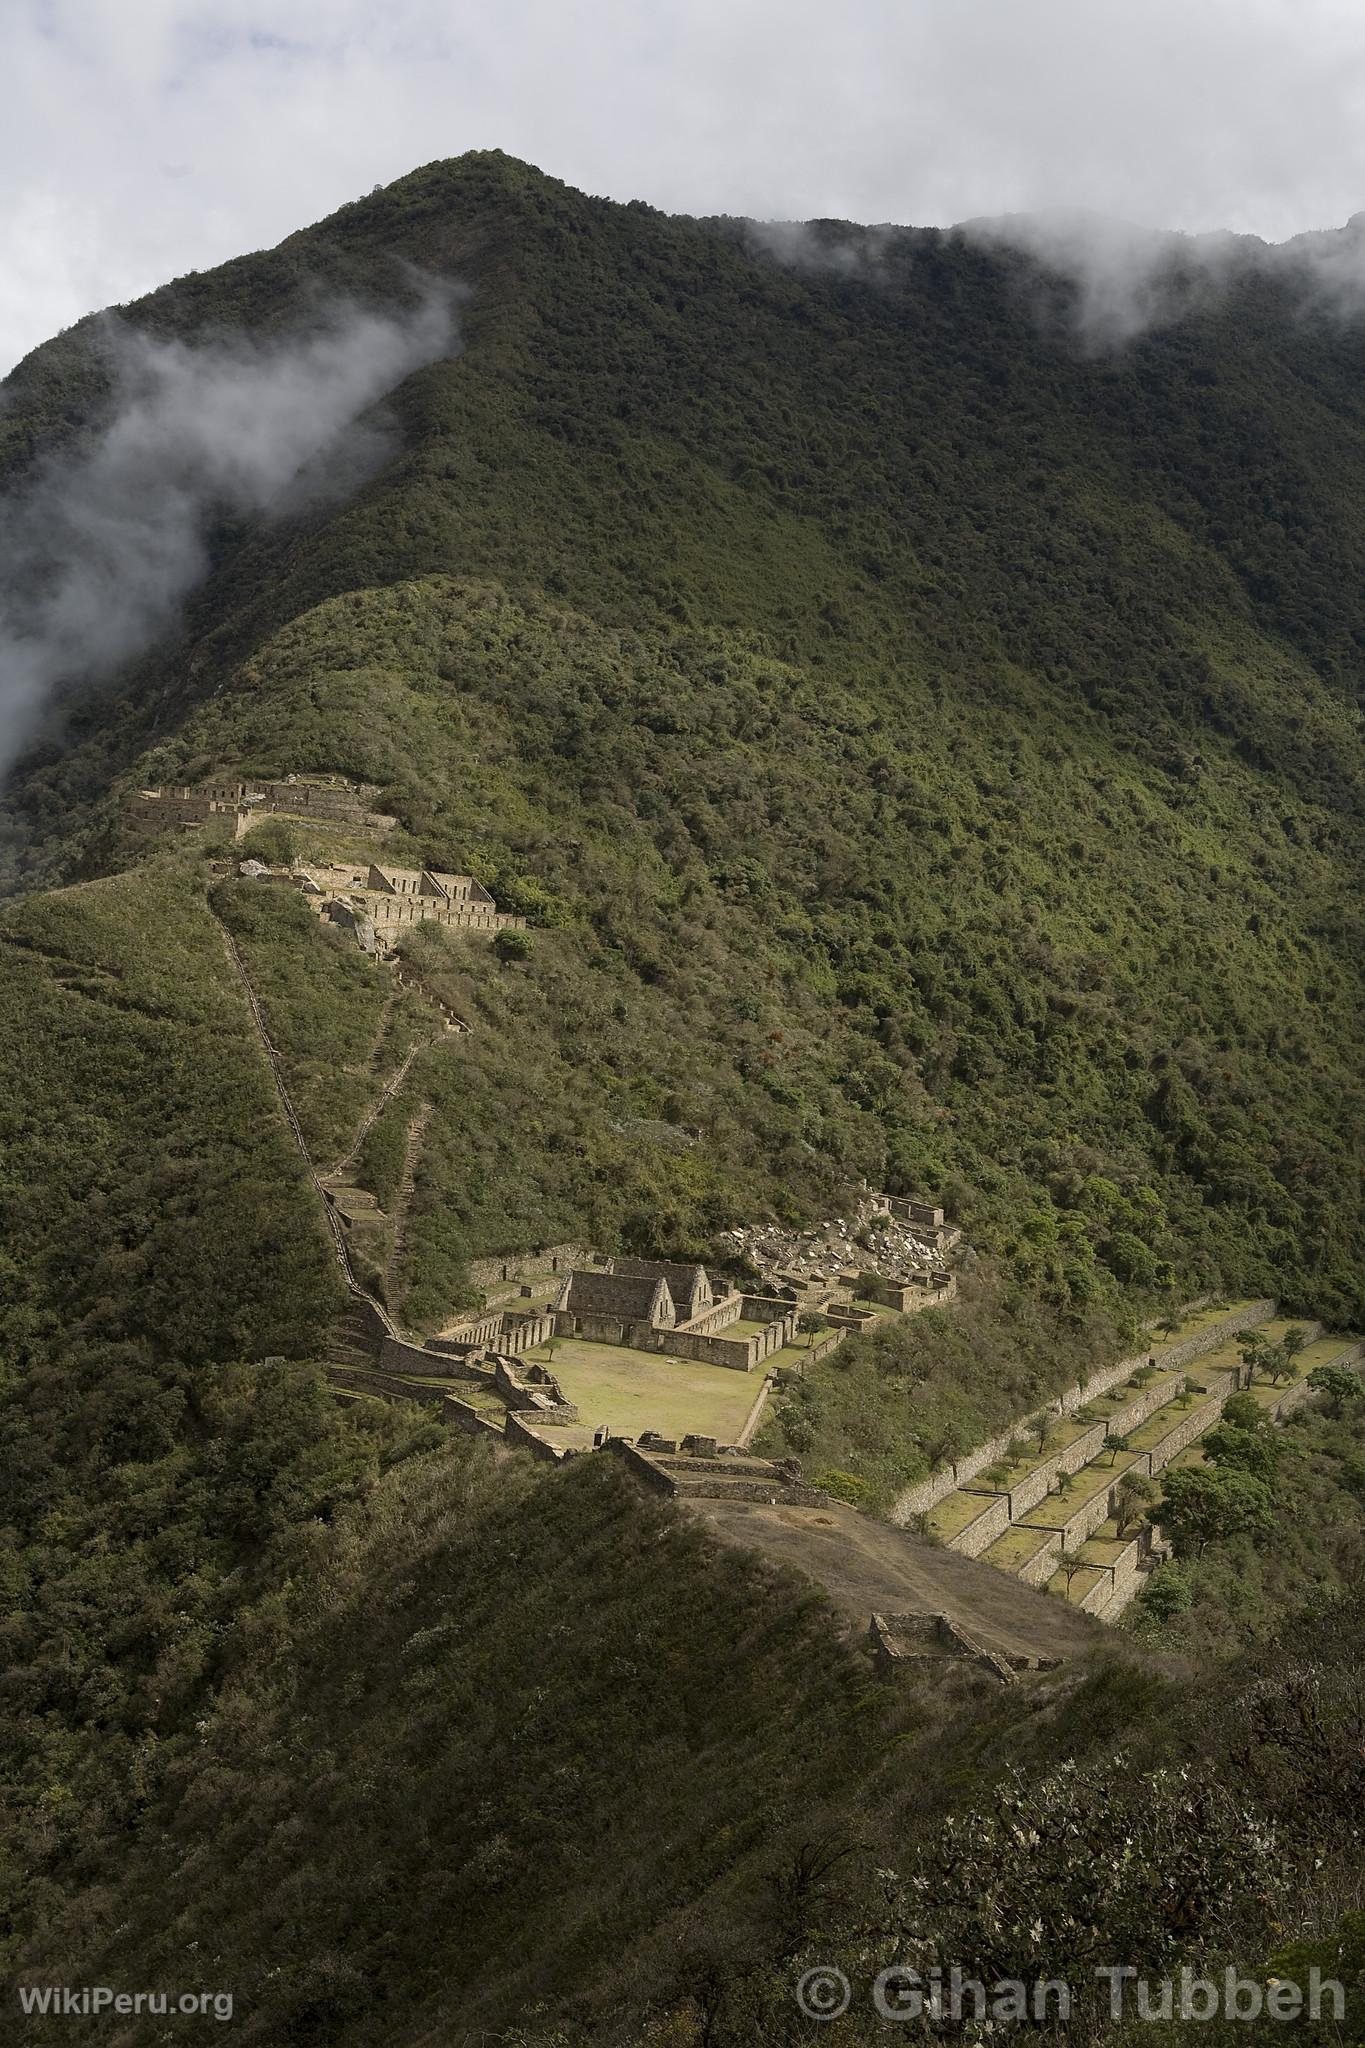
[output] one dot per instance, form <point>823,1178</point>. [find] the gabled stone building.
<point>689,1286</point>
<point>588,1300</point>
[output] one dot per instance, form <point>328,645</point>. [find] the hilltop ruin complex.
<point>236,806</point>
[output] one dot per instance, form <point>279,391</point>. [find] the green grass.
<point>1016,1547</point>
<point>631,1391</point>
<point>1056,1509</point>
<point>1083,1582</point>
<point>951,1515</point>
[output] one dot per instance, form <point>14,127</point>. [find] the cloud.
<point>158,136</point>
<point>101,545</point>
<point>1126,280</point>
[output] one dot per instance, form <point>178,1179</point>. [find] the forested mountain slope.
<point>942,734</point>
<point>925,749</point>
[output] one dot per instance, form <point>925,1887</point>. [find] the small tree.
<point>1340,1387</point>
<point>810,1325</point>
<point>1244,1450</point>
<point>1040,1428</point>
<point>1131,1497</point>
<point>1114,1444</point>
<point>1252,1352</point>
<point>511,944</point>
<point>1069,1562</point>
<point>1244,1411</point>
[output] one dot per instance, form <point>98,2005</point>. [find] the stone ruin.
<point>238,805</point>
<point>903,1242</point>
<point>660,1305</point>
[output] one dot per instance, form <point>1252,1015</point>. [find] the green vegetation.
<point>922,755</point>
<point>926,827</point>
<point>1306,1532</point>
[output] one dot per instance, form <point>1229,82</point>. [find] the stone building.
<point>641,1301</point>
<point>226,800</point>
<point>659,1305</point>
<point>689,1285</point>
<point>393,898</point>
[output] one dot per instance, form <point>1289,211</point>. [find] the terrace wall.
<point>1075,1524</point>
<point>1040,1567</point>
<point>926,1493</point>
<point>980,1533</point>
<point>1294,1396</point>
<point>539,1265</point>
<point>1183,1432</point>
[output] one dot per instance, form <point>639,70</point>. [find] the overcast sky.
<point>144,138</point>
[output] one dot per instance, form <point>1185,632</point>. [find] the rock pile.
<point>821,1255</point>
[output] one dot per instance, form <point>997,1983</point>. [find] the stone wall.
<point>539,1265</point>
<point>389,1389</point>
<point>332,801</point>
<point>484,1329</point>
<point>1201,1415</point>
<point>1294,1397</point>
<point>926,1493</point>
<point>545,1402</point>
<point>897,1639</point>
<point>519,1431</point>
<point>1038,1483</point>
<point>522,1330</point>
<point>463,1415</point>
<point>714,1319</point>
<point>740,1354</point>
<point>1124,1579</point>
<point>1043,1563</point>
<point>980,1533</point>
<point>1074,1525</point>
<point>397,1355</point>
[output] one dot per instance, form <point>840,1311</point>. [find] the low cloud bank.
<point>1122,280</point>
<point>102,544</point>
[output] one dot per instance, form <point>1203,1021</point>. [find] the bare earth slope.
<point>868,1567</point>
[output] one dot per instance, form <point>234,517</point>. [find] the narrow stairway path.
<point>381,1103</point>
<point>412,1148</point>
<point>276,1066</point>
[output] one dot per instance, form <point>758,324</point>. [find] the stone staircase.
<point>353,1340</point>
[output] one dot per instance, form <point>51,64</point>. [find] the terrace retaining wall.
<point>926,1493</point>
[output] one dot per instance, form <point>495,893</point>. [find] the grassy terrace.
<point>952,1514</point>
<point>1083,1582</point>
<point>631,1391</point>
<point>1012,1551</point>
<point>1323,1351</point>
<point>1092,1479</point>
<point>1106,1546</point>
<point>1163,1420</point>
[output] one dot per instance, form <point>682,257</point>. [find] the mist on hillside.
<point>102,544</point>
<point>1124,280</point>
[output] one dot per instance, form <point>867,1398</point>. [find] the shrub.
<point>844,1486</point>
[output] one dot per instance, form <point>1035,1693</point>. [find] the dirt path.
<point>869,1566</point>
